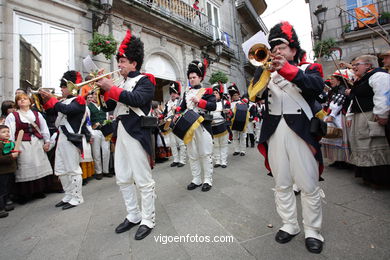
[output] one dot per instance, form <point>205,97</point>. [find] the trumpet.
<point>36,96</point>
<point>259,55</point>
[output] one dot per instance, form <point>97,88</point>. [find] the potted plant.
<point>347,28</point>
<point>324,48</point>
<point>218,76</point>
<point>384,18</point>
<point>104,44</point>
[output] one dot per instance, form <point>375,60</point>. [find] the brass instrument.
<point>259,56</point>
<point>72,86</point>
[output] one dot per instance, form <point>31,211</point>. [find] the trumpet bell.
<point>258,55</point>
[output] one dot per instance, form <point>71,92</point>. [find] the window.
<point>351,5</point>
<point>42,53</point>
<point>213,16</point>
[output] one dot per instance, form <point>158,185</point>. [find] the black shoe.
<point>98,176</point>
<point>9,207</point>
<point>193,186</point>
<point>125,226</point>
<point>3,214</point>
<point>180,164</point>
<point>206,187</point>
<point>68,206</point>
<point>85,181</point>
<point>236,153</point>
<point>174,164</point>
<point>242,154</point>
<point>313,245</point>
<point>61,204</point>
<point>108,175</point>
<point>142,232</point>
<point>283,237</point>
<point>297,192</point>
<point>8,202</point>
<point>223,166</point>
<point>217,165</point>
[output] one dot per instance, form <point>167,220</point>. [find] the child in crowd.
<point>8,167</point>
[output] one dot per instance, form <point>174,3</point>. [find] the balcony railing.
<point>181,12</point>
<point>350,23</point>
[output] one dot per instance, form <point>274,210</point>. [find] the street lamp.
<point>320,13</point>
<point>218,48</point>
<point>99,18</point>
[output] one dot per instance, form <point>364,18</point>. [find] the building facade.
<point>351,36</point>
<point>40,40</point>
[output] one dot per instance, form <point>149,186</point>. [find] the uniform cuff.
<point>288,71</point>
<point>202,103</point>
<point>113,93</point>
<point>50,103</point>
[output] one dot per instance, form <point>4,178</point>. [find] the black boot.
<point>252,138</point>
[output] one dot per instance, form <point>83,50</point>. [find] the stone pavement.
<point>241,204</point>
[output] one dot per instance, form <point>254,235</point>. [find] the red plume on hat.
<point>287,30</point>
<point>124,44</point>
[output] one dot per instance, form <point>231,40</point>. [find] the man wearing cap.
<point>200,148</point>
<point>239,137</point>
<point>293,153</point>
<point>386,60</point>
<point>71,120</point>
<point>132,100</point>
<point>179,156</point>
<point>219,128</point>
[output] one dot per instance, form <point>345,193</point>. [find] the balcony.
<point>353,30</point>
<point>173,17</point>
<point>250,14</point>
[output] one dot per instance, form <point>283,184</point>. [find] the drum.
<point>219,129</point>
<point>186,124</point>
<point>240,118</point>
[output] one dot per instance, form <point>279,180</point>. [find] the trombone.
<point>71,86</point>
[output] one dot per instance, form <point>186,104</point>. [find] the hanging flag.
<point>226,39</point>
<point>366,13</point>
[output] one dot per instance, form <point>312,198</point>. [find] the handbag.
<point>374,129</point>
<point>72,136</point>
<point>149,122</point>
<point>75,138</point>
<point>318,127</point>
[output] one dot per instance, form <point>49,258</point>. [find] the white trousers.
<point>101,152</point>
<point>200,151</point>
<point>175,142</point>
<point>258,129</point>
<point>239,141</point>
<point>67,167</point>
<point>132,165</point>
<point>292,161</point>
<point>220,151</point>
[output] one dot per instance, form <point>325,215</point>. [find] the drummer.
<point>200,148</point>
<point>179,155</point>
<point>219,128</point>
<point>239,137</point>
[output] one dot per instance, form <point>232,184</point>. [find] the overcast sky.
<point>294,11</point>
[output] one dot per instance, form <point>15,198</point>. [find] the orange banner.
<point>366,13</point>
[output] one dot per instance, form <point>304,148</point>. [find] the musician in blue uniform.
<point>179,155</point>
<point>239,135</point>
<point>293,153</point>
<point>71,120</point>
<point>131,101</point>
<point>200,148</point>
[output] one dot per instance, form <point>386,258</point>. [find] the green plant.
<point>324,48</point>
<point>347,27</point>
<point>384,15</point>
<point>104,44</point>
<point>218,76</point>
